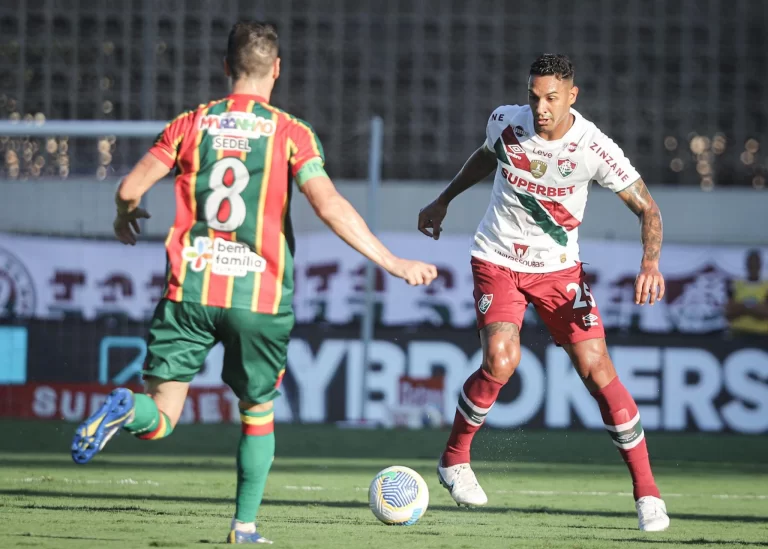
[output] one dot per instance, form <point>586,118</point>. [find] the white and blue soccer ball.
<point>398,496</point>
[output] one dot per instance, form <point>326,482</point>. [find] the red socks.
<point>477,396</point>
<point>622,421</point>
<point>617,407</point>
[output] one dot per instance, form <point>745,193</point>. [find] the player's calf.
<point>501,355</point>
<point>255,454</point>
<point>622,421</point>
<point>618,410</point>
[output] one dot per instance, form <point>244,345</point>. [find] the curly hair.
<point>551,64</point>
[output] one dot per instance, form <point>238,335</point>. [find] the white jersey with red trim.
<point>540,191</point>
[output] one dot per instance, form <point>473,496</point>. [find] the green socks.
<point>254,453</point>
<point>254,459</point>
<point>148,423</point>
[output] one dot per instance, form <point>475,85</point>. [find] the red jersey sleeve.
<point>167,144</point>
<point>304,145</point>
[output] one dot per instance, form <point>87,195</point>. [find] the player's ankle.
<point>641,491</point>
<point>449,459</point>
<point>244,527</point>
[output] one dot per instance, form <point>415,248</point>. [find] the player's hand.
<point>431,217</point>
<point>649,285</point>
<point>126,225</point>
<point>415,273</point>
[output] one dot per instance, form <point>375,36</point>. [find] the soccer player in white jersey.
<point>526,251</point>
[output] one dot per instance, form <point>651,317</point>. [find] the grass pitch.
<point>547,490</point>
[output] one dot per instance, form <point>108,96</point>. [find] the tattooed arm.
<point>649,285</point>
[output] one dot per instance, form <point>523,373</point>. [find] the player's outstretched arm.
<point>479,165</point>
<point>649,285</point>
<point>343,219</point>
<point>148,171</point>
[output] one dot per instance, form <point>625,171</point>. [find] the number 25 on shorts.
<point>581,291</point>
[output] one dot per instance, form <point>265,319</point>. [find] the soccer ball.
<point>398,496</point>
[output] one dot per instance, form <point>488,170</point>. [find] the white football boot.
<point>462,484</point>
<point>652,514</point>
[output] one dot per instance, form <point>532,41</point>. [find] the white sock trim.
<point>624,426</point>
<point>244,527</point>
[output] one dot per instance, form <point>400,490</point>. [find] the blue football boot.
<point>94,433</point>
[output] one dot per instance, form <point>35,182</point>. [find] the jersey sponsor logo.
<point>237,124</point>
<point>534,188</point>
<point>520,255</point>
<point>538,168</point>
<point>571,147</point>
<point>520,131</point>
<point>235,259</point>
<point>223,143</point>
<point>485,303</point>
<point>198,254</point>
<point>620,171</point>
<point>17,289</point>
<point>226,258</point>
<point>566,166</point>
<point>542,152</point>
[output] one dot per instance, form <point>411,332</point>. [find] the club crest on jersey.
<point>485,303</point>
<point>566,166</point>
<point>538,168</point>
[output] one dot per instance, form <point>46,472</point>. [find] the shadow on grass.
<point>696,542</point>
<point>46,536</point>
<point>349,504</point>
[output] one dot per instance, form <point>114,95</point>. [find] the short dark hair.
<point>251,49</point>
<point>551,64</point>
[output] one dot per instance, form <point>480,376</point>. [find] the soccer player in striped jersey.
<point>545,155</point>
<point>230,261</point>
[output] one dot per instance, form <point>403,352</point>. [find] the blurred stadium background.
<point>679,85</point>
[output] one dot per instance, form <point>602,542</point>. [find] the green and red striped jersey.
<point>232,244</point>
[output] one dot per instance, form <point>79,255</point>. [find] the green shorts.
<point>255,346</point>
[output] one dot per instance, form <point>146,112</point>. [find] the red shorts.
<point>562,299</point>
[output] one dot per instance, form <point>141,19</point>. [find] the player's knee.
<point>501,359</point>
<point>593,363</point>
<point>257,420</point>
<point>246,406</point>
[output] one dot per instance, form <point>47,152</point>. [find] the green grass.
<point>547,490</point>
